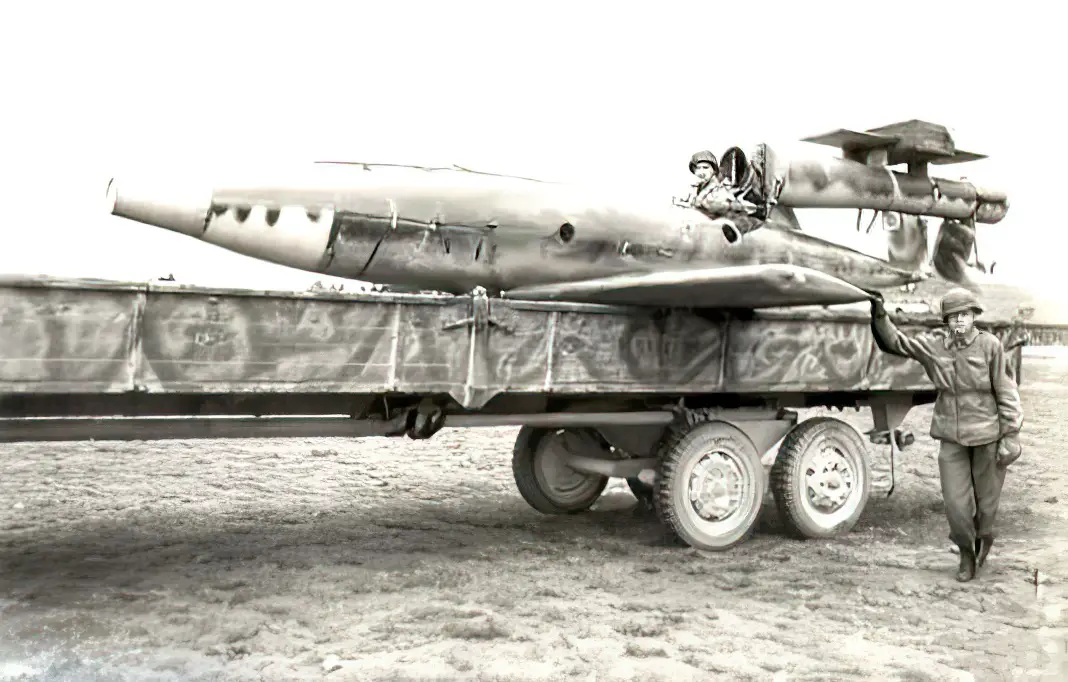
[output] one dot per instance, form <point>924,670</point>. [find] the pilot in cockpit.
<point>725,192</point>
<point>712,189</point>
<point>705,168</point>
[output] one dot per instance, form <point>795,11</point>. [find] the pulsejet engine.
<point>766,188</point>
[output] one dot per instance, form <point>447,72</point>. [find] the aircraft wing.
<point>744,286</point>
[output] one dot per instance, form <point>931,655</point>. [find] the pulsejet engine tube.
<point>843,183</point>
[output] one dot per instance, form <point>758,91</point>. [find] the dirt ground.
<point>393,559</point>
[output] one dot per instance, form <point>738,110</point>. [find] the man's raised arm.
<point>892,340</point>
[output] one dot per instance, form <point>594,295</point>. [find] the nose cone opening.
<point>170,205</point>
<point>112,196</point>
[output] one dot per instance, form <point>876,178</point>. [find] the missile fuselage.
<point>452,230</point>
<point>842,183</point>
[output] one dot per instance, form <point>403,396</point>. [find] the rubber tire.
<point>786,475</point>
<point>683,443</point>
<point>523,471</point>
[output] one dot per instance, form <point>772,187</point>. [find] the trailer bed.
<point>88,338</point>
<point>606,391</point>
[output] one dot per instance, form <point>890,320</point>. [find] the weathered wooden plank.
<point>193,342</point>
<point>642,351</point>
<point>792,355</point>
<point>428,356</point>
<point>60,340</point>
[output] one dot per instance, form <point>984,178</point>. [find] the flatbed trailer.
<point>683,404</point>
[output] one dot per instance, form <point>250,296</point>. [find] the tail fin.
<point>952,249</point>
<point>907,248</point>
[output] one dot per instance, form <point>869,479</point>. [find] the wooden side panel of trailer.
<point>107,338</point>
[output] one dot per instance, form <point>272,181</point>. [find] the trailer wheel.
<point>821,478</point>
<point>544,480</point>
<point>711,485</point>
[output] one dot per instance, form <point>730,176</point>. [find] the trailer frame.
<point>684,404</point>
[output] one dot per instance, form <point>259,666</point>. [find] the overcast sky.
<point>557,90</point>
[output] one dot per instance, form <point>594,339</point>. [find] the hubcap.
<point>559,481</point>
<point>830,480</point>
<point>717,487</point>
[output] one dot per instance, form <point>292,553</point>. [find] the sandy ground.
<point>393,559</point>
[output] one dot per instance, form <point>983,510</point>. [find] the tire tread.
<point>526,444</point>
<point>675,441</point>
<point>784,481</point>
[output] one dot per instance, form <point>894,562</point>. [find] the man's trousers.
<point>971,488</point>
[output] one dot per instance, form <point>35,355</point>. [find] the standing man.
<point>977,417</point>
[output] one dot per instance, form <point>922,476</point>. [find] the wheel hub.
<point>830,480</point>
<point>716,487</point>
<point>559,480</point>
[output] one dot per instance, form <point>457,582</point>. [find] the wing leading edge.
<point>745,286</point>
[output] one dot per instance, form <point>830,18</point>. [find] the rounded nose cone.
<point>169,205</point>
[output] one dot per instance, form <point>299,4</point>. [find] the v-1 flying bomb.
<point>452,229</point>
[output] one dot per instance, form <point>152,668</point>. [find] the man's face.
<point>961,323</point>
<point>703,171</point>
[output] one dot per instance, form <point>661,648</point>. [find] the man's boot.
<point>982,549</point>
<point>967,565</point>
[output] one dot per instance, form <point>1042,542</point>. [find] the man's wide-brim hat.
<point>705,156</point>
<point>959,300</point>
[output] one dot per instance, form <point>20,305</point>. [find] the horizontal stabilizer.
<point>851,139</point>
<point>907,142</point>
<point>739,287</point>
<point>956,157</point>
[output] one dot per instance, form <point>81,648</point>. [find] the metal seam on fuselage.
<point>395,221</point>
<point>207,215</point>
<point>385,235</point>
<point>335,230</point>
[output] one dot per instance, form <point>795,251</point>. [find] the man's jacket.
<point>978,402</point>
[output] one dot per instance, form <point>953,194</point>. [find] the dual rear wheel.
<point>711,483</point>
